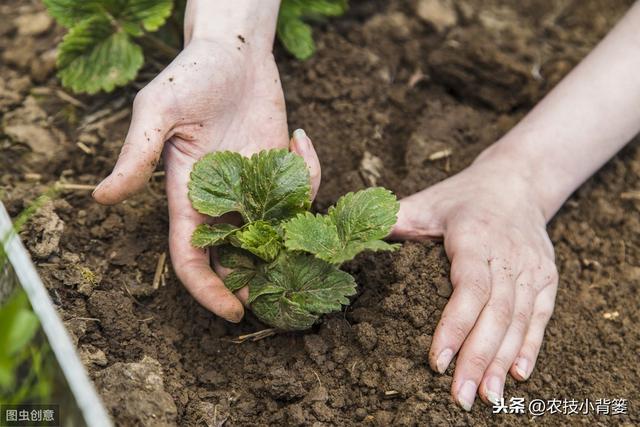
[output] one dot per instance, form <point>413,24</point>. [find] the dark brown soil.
<point>385,91</point>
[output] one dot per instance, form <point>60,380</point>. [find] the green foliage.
<point>26,364</point>
<point>98,53</point>
<point>287,256</point>
<point>358,222</point>
<point>294,33</point>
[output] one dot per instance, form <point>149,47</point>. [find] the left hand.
<point>502,270</point>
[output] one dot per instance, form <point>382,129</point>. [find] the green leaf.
<point>211,235</point>
<point>261,239</point>
<point>70,12</point>
<point>95,56</point>
<point>215,188</point>
<point>276,186</point>
<point>150,14</point>
<point>272,185</point>
<point>238,279</point>
<point>243,263</point>
<point>282,313</point>
<point>232,257</point>
<point>358,222</point>
<point>294,33</point>
<point>133,15</point>
<point>296,36</point>
<point>292,291</point>
<point>18,324</point>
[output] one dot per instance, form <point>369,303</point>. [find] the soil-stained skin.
<point>394,97</point>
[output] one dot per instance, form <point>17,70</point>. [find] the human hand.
<point>212,97</point>
<point>502,270</point>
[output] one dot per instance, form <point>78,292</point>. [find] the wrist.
<point>251,23</point>
<point>545,187</point>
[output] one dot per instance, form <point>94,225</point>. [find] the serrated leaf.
<point>282,313</point>
<point>309,8</point>
<point>365,215</point>
<point>294,33</point>
<point>211,235</point>
<point>232,257</point>
<point>276,185</point>
<point>358,222</point>
<point>298,287</point>
<point>272,185</point>
<point>316,234</point>
<point>95,56</point>
<point>238,279</point>
<point>133,15</point>
<point>70,12</point>
<point>297,37</point>
<point>150,14</point>
<point>215,188</point>
<point>261,239</point>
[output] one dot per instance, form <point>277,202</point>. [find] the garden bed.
<point>393,97</point>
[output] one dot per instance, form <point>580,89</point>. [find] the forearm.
<point>582,122</point>
<point>250,21</point>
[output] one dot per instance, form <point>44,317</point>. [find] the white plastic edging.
<point>82,388</point>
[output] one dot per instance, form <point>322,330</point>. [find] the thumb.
<point>418,218</point>
<point>302,146</point>
<point>139,154</point>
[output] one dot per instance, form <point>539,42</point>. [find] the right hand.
<point>212,97</point>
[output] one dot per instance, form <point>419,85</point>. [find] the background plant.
<point>287,256</point>
<point>101,50</point>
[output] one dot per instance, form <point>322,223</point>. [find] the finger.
<point>483,342</point>
<point>192,264</point>
<point>471,282</point>
<point>528,354</point>
<point>302,145</point>
<point>139,154</point>
<point>494,378</point>
<point>418,218</point>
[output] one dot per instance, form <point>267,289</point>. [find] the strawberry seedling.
<point>288,257</point>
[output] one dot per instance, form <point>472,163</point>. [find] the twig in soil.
<point>148,319</point>
<point>60,94</point>
<point>390,394</point>
<point>159,270</point>
<point>69,186</point>
<point>256,336</point>
<point>442,154</point>
<point>118,115</point>
<point>70,99</point>
<point>93,319</point>
<point>131,295</point>
<point>317,377</point>
<point>630,195</point>
<point>102,112</point>
<point>88,150</point>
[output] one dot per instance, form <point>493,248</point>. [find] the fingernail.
<point>467,394</point>
<point>302,140</point>
<point>444,358</point>
<point>522,367</point>
<point>98,187</point>
<point>494,390</point>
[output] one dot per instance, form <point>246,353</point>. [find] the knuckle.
<point>478,362</point>
<point>501,363</point>
<point>521,320</point>
<point>502,312</point>
<point>544,314</point>
<point>455,329</point>
<point>480,289</point>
